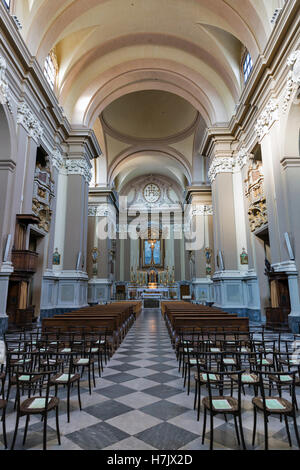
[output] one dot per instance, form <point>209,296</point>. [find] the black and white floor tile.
<point>140,404</point>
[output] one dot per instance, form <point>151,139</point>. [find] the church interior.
<point>149,224</point>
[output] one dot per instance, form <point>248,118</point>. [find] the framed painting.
<point>151,256</point>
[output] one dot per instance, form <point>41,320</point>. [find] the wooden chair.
<point>36,405</point>
<point>223,404</point>
<point>67,379</point>
<point>275,405</point>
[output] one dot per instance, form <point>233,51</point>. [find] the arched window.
<point>51,69</point>
<point>247,66</point>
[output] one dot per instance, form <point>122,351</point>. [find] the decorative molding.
<point>98,210</point>
<point>293,78</point>
<point>288,266</point>
<point>79,167</point>
<point>267,118</point>
<point>4,88</point>
<point>199,209</point>
<point>30,123</point>
<point>241,158</point>
<point>57,160</point>
<point>220,165</point>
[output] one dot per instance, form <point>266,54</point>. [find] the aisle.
<point>140,400</point>
<point>140,404</point>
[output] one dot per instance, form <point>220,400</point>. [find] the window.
<point>247,66</point>
<point>6,3</point>
<point>50,69</point>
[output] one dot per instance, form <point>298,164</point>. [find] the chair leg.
<point>237,431</point>
<point>199,404</point>
<point>93,372</point>
<point>296,429</point>
<point>211,431</point>
<point>45,431</point>
<point>242,432</point>
<point>68,403</point>
<point>196,393</point>
<point>204,426</point>
<point>288,430</point>
<point>26,429</point>
<point>57,426</point>
<point>4,427</point>
<point>89,374</point>
<point>79,398</point>
<point>189,379</point>
<point>254,427</point>
<point>266,432</point>
<point>16,432</point>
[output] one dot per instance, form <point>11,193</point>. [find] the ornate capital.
<point>220,165</point>
<point>293,78</point>
<point>79,167</point>
<point>241,158</point>
<point>28,120</point>
<point>57,159</point>
<point>267,118</point>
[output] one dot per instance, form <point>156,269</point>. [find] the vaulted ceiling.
<point>116,55</point>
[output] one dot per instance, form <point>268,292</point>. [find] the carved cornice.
<point>79,167</point>
<point>30,123</point>
<point>220,165</point>
<point>57,159</point>
<point>293,78</point>
<point>267,118</point>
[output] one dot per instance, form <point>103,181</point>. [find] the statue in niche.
<point>95,255</point>
<point>56,258</point>
<point>208,253</point>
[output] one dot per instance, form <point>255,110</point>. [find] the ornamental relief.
<point>255,194</point>
<point>43,194</point>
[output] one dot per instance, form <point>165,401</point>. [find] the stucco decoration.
<point>267,118</point>
<point>220,165</point>
<point>79,167</point>
<point>293,78</point>
<point>4,89</point>
<point>28,120</point>
<point>57,160</point>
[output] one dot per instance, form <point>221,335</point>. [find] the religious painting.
<point>152,253</point>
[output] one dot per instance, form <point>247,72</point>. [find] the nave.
<point>140,403</point>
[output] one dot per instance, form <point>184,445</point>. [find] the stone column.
<point>201,259</point>
<point>282,173</point>
<point>231,278</point>
<point>50,284</point>
<point>102,218</point>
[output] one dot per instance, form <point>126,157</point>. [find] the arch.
<point>8,138</point>
<point>131,154</point>
<point>144,76</point>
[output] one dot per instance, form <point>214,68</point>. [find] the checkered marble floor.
<point>140,404</point>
